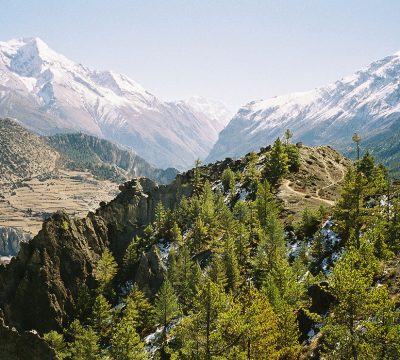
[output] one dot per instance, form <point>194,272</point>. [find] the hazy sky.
<point>236,51</point>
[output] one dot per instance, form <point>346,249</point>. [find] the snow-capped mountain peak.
<point>50,93</point>
<point>215,110</point>
<point>367,102</point>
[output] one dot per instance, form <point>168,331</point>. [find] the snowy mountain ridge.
<point>367,102</point>
<point>48,93</point>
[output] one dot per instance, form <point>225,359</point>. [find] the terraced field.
<point>27,204</point>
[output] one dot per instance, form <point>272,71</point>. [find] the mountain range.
<point>48,93</point>
<point>367,102</point>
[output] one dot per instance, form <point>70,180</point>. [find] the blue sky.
<point>236,51</point>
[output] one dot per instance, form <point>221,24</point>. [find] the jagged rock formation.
<point>39,288</point>
<point>23,346</point>
<point>10,240</point>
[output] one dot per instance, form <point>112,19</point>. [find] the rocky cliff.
<point>10,240</point>
<point>39,288</point>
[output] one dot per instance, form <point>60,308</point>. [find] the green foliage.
<point>277,163</point>
<point>105,271</point>
<point>84,344</point>
<point>132,254</point>
<point>228,179</point>
<point>57,342</point>
<point>166,304</point>
<point>310,222</point>
<point>230,289</point>
<point>125,341</point>
<point>213,329</point>
<point>293,154</point>
<point>101,317</point>
<point>363,313</point>
<point>145,311</point>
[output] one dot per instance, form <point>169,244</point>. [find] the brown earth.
<point>318,181</point>
<point>24,205</point>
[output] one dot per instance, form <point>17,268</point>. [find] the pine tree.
<point>252,174</point>
<point>266,206</point>
<point>184,277</point>
<point>351,285</point>
<point>217,271</point>
<point>262,332</point>
<point>131,255</point>
<point>105,271</point>
<point>176,234</point>
<point>125,341</point>
<point>231,265</point>
<point>85,343</point>
<point>228,179</point>
<point>145,311</point>
<point>214,329</point>
<point>293,154</point>
<point>57,342</point>
<point>198,177</point>
<point>166,305</point>
<point>101,317</point>
<point>277,165</point>
<point>350,211</point>
<point>160,217</point>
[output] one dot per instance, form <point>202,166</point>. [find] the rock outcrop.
<point>39,288</point>
<point>23,346</point>
<point>11,239</point>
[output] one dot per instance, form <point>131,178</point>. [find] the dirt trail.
<point>332,182</point>
<point>286,186</point>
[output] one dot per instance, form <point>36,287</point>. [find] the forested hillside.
<point>213,267</point>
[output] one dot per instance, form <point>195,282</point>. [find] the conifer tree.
<point>125,341</point>
<point>252,174</point>
<point>231,265</point>
<point>288,136</point>
<point>198,177</point>
<point>160,217</point>
<point>166,305</point>
<point>351,285</point>
<point>105,271</point>
<point>214,329</point>
<point>101,317</point>
<point>145,311</point>
<point>277,165</point>
<point>217,271</point>
<point>228,179</point>
<point>57,342</point>
<point>131,255</point>
<point>261,330</point>
<point>85,342</point>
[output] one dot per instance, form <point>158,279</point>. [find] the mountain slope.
<point>50,94</point>
<point>74,172</point>
<point>23,154</point>
<point>367,102</point>
<point>104,159</point>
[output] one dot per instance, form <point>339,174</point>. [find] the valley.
<point>27,204</point>
<point>136,226</point>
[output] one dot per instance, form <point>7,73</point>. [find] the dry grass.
<point>74,192</point>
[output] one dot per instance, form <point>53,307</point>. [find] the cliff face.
<point>39,288</point>
<point>23,346</point>
<point>10,240</point>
